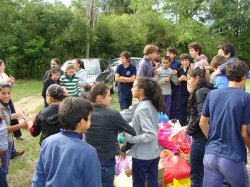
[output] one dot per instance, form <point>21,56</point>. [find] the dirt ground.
<point>28,104</point>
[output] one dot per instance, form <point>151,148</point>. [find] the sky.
<point>66,2</point>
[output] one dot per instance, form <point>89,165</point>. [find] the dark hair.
<point>149,49</point>
<point>5,85</point>
<point>185,56</point>
<point>201,72</point>
<point>98,89</point>
<point>217,61</point>
<point>56,92</point>
<point>153,92</point>
<point>172,50</point>
<point>72,110</point>
<point>80,62</point>
<point>1,62</point>
<point>236,70</point>
<point>126,54</point>
<point>196,46</point>
<point>228,48</point>
<point>54,70</point>
<point>159,50</point>
<point>167,58</point>
<point>56,60</point>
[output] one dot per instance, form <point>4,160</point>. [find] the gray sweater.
<point>145,123</point>
<point>166,86</point>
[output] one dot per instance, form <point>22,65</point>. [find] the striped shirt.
<point>3,136</point>
<point>71,84</point>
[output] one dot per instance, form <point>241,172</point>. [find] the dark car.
<point>93,66</point>
<point>108,76</point>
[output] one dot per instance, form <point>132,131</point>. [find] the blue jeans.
<point>3,177</point>
<point>145,169</point>
<point>217,168</point>
<point>108,175</point>
<point>196,161</point>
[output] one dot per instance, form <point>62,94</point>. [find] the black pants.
<point>18,132</point>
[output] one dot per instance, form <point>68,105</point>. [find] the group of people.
<point>79,136</point>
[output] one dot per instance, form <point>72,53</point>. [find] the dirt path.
<point>28,104</point>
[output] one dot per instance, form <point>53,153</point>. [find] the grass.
<point>22,168</point>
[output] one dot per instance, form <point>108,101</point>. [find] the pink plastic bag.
<point>121,165</point>
<point>181,140</point>
<point>175,167</point>
<point>165,130</point>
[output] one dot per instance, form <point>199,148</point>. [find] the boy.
<point>164,76</point>
<point>224,121</point>
<point>195,51</point>
<point>145,67</point>
<point>65,160</point>
<point>182,113</point>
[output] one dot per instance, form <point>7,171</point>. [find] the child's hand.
<point>23,125</point>
<point>175,72</point>
<point>79,94</point>
<point>15,116</point>
<point>121,156</point>
<point>155,72</point>
<point>26,116</point>
<point>183,78</point>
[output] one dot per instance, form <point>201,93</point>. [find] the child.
<point>53,78</point>
<point>125,76</point>
<point>146,151</point>
<point>3,150</point>
<point>163,77</point>
<point>65,159</point>
<point>182,74</point>
<point>5,114</point>
<point>70,81</point>
<point>47,120</point>
<point>220,80</point>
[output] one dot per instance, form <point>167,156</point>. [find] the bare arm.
<point>13,128</point>
<point>204,125</point>
<point>245,135</point>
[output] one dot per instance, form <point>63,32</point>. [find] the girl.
<point>46,121</point>
<point>198,87</point>
<point>145,152</point>
<point>5,114</point>
<point>81,73</point>
<point>125,76</point>
<point>54,63</point>
<point>70,81</point>
<point>103,132</point>
<point>53,78</point>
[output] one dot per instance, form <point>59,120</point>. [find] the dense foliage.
<point>34,31</point>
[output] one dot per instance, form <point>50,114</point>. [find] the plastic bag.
<point>179,183</point>
<point>165,130</point>
<point>121,165</point>
<point>182,140</point>
<point>175,167</point>
<point>162,117</point>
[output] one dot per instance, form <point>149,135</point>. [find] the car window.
<point>92,67</point>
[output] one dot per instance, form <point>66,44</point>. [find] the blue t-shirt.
<point>220,81</point>
<point>125,72</point>
<point>228,109</point>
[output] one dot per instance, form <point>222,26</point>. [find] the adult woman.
<point>81,73</point>
<point>198,87</point>
<point>103,132</point>
<point>145,152</point>
<point>54,63</point>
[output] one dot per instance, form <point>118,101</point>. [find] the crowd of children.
<point>79,136</point>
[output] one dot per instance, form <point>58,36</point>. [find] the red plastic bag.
<point>165,130</point>
<point>181,140</point>
<point>175,167</point>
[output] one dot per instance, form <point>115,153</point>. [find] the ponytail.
<point>153,92</point>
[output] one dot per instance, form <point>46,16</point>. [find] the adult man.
<point>145,67</point>
<point>195,51</point>
<point>224,122</point>
<point>65,160</point>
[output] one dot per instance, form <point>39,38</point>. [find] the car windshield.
<point>92,66</point>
